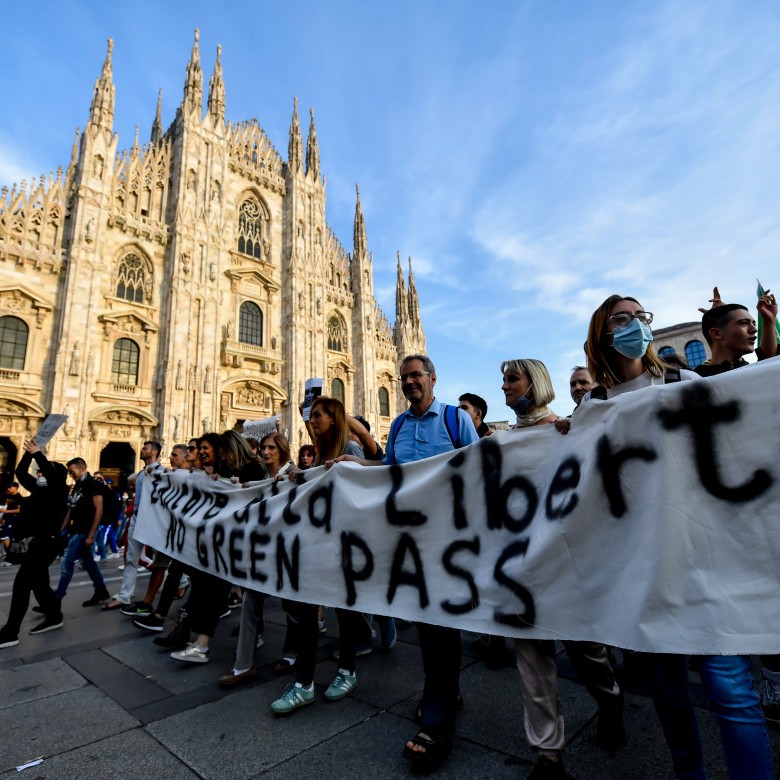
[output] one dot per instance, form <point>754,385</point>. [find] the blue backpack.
<point>450,423</point>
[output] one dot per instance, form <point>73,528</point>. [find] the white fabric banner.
<point>653,525</point>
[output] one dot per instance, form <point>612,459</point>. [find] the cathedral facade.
<point>185,285</point>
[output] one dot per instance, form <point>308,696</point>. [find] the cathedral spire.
<point>312,150</point>
<point>295,146</point>
<point>359,234</point>
<point>414,301</point>
<point>193,83</point>
<point>101,112</point>
<point>135,150</point>
<point>74,157</point>
<point>217,90</point>
<point>157,129</point>
<point>401,301</point>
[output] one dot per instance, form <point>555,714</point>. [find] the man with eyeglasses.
<point>421,432</point>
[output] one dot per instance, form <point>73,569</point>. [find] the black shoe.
<point>234,601</point>
<point>47,624</point>
<point>136,609</point>
<point>547,769</point>
<point>610,731</point>
<point>179,638</point>
<point>149,622</point>
<point>99,597</point>
<point>8,638</point>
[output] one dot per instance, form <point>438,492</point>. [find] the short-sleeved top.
<point>82,507</point>
<point>423,437</point>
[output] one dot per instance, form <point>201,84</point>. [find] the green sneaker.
<point>292,698</point>
<point>342,685</point>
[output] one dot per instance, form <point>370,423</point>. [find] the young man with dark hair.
<point>83,518</point>
<point>731,333</point>
<point>476,408</point>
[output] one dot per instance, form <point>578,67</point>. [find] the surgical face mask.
<point>41,482</point>
<point>631,340</point>
<point>523,404</point>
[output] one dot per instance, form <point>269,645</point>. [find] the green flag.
<point>759,292</point>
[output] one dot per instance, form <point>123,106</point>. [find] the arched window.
<point>130,281</point>
<point>695,353</point>
<point>250,324</point>
<point>384,402</point>
<point>666,352</point>
<point>13,343</point>
<point>337,340</point>
<point>124,366</point>
<point>250,232</point>
<point>337,390</point>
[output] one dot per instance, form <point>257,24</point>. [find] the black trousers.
<point>33,577</point>
<point>208,600</point>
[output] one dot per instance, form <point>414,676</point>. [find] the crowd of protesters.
<point>83,522</point>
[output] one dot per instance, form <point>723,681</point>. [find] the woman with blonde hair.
<point>528,391</point>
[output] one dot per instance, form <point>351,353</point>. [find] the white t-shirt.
<point>643,380</point>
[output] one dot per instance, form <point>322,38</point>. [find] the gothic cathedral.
<point>184,286</point>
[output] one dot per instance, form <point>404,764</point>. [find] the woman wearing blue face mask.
<point>527,390</point>
<point>621,359</point>
<point>620,350</point>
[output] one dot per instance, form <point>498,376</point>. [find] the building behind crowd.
<point>685,341</point>
<point>185,285</point>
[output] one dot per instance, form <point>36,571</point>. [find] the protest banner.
<point>48,428</point>
<point>653,525</point>
<point>259,428</point>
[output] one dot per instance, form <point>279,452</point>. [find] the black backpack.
<point>112,504</point>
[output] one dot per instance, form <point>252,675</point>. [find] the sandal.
<point>418,711</point>
<point>437,748</point>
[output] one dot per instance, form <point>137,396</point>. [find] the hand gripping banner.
<point>653,525</point>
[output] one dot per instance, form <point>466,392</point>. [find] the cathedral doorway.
<point>8,452</point>
<point>117,462</point>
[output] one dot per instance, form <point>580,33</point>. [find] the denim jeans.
<point>77,550</point>
<point>729,687</point>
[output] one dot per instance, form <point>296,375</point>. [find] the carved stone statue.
<point>75,361</point>
<point>179,376</point>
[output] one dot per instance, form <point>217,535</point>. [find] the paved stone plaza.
<point>97,699</point>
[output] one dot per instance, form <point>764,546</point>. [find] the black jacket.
<point>44,511</point>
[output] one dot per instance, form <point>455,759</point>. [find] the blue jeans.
<point>729,688</point>
<point>77,550</point>
<point>104,538</point>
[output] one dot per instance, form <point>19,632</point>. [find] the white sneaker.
<point>191,654</point>
<point>260,641</point>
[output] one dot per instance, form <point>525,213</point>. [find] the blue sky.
<point>531,157</point>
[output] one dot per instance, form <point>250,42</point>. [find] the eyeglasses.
<point>621,318</point>
<point>191,449</point>
<point>414,375</point>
